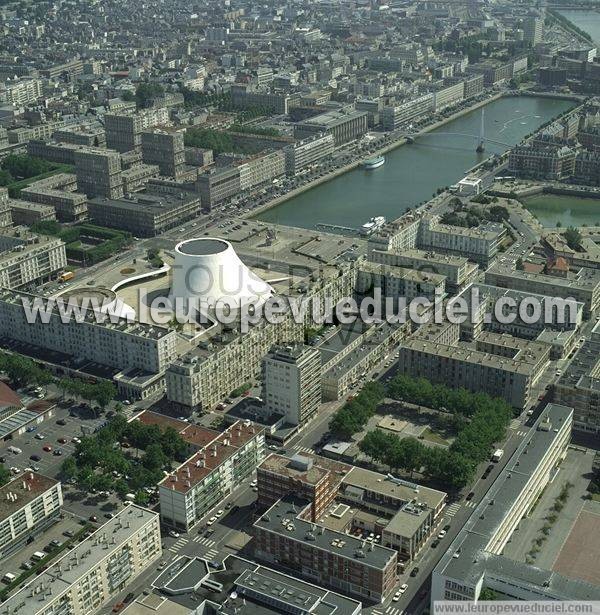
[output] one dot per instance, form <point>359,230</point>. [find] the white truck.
<point>497,454</point>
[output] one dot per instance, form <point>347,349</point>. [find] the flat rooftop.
<point>282,518</point>
<point>146,203</point>
<point>21,491</point>
<point>396,489</point>
<point>64,572</point>
<point>467,559</point>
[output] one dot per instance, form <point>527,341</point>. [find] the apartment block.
<point>26,258</point>
<point>475,558</point>
<point>28,505</point>
<point>542,161</point>
<point>261,168</point>
<point>244,96</point>
<point>478,244</point>
<point>285,537</point>
<point>124,130</point>
<point>68,206</point>
<point>399,514</point>
<point>120,345</point>
<point>164,147</point>
<point>306,152</point>
<point>98,172</point>
<point>223,461</point>
<point>21,92</point>
<point>406,112</point>
<point>579,385</point>
<point>497,364</point>
<point>5,215</point>
<point>447,95</point>
<point>206,375</point>
<point>81,134</point>
<point>457,270</point>
<point>216,185</point>
<point>345,124</point>
<point>95,570</point>
<point>351,353</point>
<point>144,214</point>
<point>292,382</point>
<point>28,213</point>
<point>398,282</point>
<point>583,284</point>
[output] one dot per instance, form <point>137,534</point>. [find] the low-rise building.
<point>223,461</point>
<point>28,505</point>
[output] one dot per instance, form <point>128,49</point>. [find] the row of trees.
<point>410,455</point>
<point>217,140</point>
<point>353,416</point>
<point>22,166</point>
<point>23,372</point>
<point>102,392</point>
<point>102,463</point>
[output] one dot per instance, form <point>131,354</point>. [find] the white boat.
<point>373,163</point>
<point>372,226</point>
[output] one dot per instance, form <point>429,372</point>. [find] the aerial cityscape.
<point>299,307</point>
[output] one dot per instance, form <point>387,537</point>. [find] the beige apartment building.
<point>96,570</point>
<point>28,504</point>
<point>583,285</point>
<point>222,462</point>
<point>98,172</point>
<point>124,130</point>
<point>497,364</point>
<point>27,258</point>
<point>207,375</point>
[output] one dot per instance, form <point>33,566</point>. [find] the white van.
<point>38,556</point>
<point>15,450</point>
<point>9,577</point>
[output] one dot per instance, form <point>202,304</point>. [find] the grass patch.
<point>432,436</point>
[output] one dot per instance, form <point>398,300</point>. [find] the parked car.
<point>47,448</point>
<point>414,572</point>
<point>173,534</point>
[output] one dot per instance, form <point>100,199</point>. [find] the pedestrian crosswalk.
<point>522,433</point>
<point>515,424</point>
<point>180,542</point>
<point>393,610</point>
<point>471,504</point>
<point>210,554</point>
<point>201,540</point>
<point>452,509</point>
<point>376,612</point>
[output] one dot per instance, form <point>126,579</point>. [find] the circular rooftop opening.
<point>202,247</point>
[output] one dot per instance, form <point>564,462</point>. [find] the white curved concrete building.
<point>102,300</point>
<point>209,274</point>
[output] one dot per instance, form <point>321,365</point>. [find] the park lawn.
<point>432,436</point>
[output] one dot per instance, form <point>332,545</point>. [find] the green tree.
<point>573,238</point>
<point>146,93</point>
<point>4,475</point>
<point>69,468</point>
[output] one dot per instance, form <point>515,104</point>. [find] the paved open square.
<point>580,553</point>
